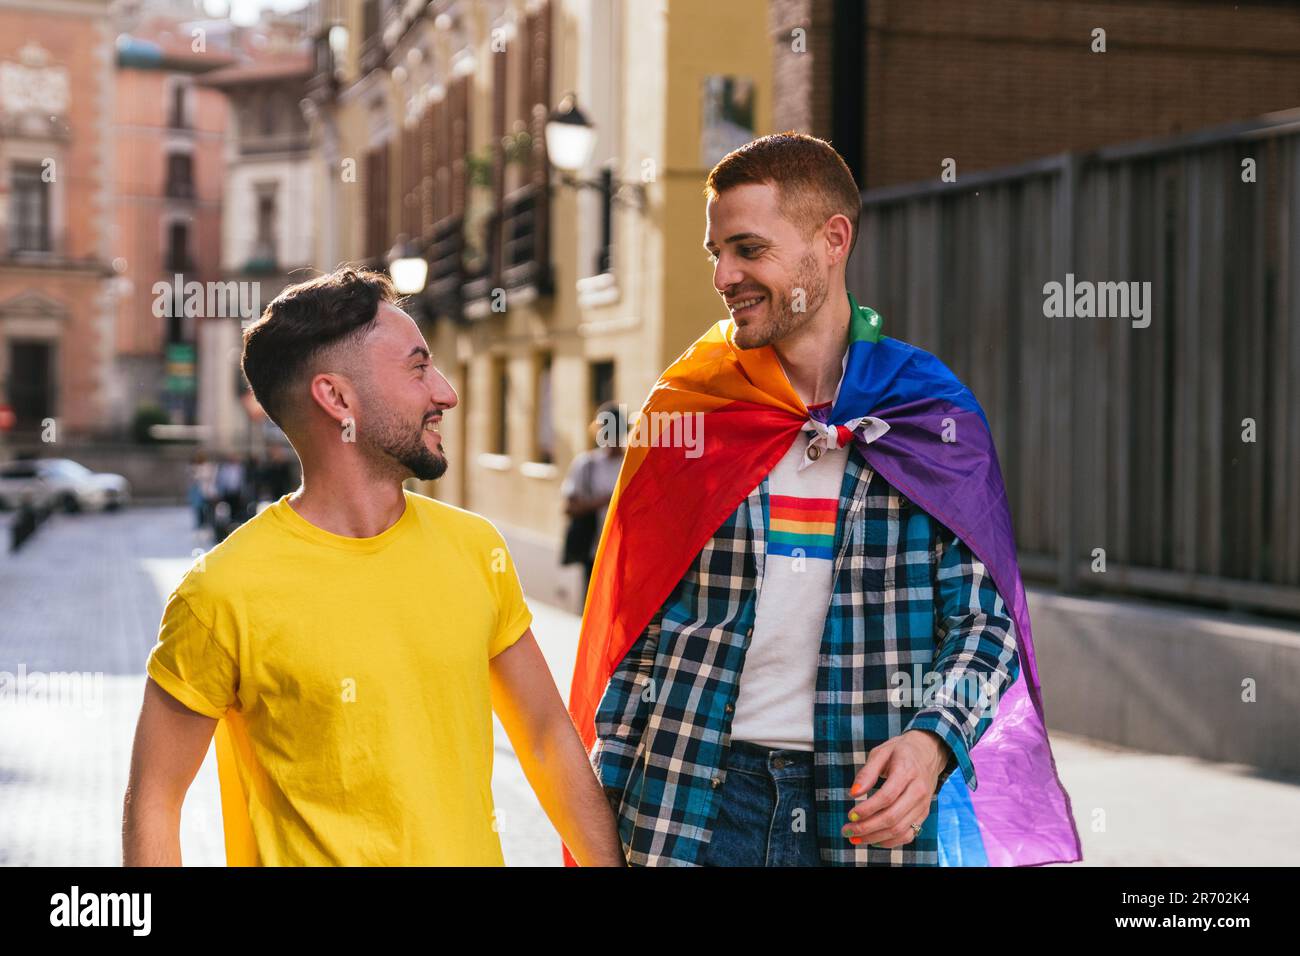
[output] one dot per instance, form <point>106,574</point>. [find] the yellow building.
<point>430,120</point>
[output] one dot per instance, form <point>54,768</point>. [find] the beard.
<point>390,441</point>
<point>784,318</point>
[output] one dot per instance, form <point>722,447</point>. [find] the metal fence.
<point>1113,434</point>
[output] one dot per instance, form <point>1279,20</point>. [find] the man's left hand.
<point>911,764</point>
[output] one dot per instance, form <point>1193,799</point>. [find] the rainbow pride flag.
<point>802,526</point>
<point>667,505</point>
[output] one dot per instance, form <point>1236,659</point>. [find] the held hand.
<point>911,764</point>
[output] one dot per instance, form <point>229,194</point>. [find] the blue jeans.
<point>765,811</point>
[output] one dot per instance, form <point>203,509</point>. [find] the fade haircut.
<point>812,181</point>
<point>304,321</point>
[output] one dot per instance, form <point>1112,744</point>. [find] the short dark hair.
<point>303,321</point>
<point>613,413</point>
<point>812,180</point>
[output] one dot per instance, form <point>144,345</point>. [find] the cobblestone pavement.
<point>84,597</point>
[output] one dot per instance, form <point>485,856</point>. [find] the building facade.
<point>57,334</point>
<point>430,120</point>
<point>268,228</point>
<point>168,139</point>
<point>900,86</point>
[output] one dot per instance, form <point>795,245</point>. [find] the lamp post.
<point>570,139</point>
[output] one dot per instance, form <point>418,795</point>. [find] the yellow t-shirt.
<point>351,679</point>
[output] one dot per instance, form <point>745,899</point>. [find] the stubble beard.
<point>394,446</point>
<point>785,319</point>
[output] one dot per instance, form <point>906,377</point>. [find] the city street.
<point>84,597</point>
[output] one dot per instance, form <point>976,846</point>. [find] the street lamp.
<point>408,268</point>
<point>570,139</point>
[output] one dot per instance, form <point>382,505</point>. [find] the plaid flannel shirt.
<point>914,624</point>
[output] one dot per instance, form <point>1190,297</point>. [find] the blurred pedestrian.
<point>203,489</point>
<point>275,476</point>
<point>228,511</point>
<point>588,487</point>
<point>29,517</point>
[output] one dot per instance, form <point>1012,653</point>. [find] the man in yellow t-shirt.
<point>348,645</point>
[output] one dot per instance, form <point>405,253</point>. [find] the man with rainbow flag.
<point>794,639</point>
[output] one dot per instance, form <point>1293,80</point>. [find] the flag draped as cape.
<point>938,452</point>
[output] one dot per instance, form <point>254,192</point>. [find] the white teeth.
<point>746,304</point>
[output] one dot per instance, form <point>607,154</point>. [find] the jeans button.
<point>778,763</point>
<point>715,782</point>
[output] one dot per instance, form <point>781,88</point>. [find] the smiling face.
<point>771,276</point>
<point>402,398</point>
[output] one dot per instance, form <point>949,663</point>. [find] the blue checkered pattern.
<point>915,628</point>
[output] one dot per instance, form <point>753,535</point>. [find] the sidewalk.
<point>1131,808</point>
<point>86,595</point>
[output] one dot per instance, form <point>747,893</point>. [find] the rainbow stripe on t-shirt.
<point>802,527</point>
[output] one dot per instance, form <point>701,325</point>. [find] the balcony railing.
<point>372,53</point>
<point>287,141</point>
<point>484,275</point>
<point>519,239</point>
<point>32,238</point>
<point>26,251</point>
<point>262,264</point>
<point>516,256</point>
<point>179,189</point>
<point>446,265</point>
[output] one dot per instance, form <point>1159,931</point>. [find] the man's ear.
<point>334,394</point>
<point>839,237</point>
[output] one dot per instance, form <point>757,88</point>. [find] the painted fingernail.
<point>847,831</point>
<point>856,840</point>
<point>853,815</point>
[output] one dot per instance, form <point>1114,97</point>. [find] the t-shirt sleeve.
<point>190,663</point>
<point>575,481</point>
<point>513,615</point>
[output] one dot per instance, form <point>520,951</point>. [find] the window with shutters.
<point>448,119</point>
<point>378,239</point>
<point>510,216</point>
<point>525,212</point>
<point>180,176</point>
<point>29,209</point>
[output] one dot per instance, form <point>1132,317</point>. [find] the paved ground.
<point>85,596</point>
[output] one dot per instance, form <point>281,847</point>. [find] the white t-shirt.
<point>774,705</point>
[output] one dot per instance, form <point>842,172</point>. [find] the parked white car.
<point>71,486</point>
<point>21,481</point>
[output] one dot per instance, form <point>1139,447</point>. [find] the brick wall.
<point>70,311</point>
<point>799,74</point>
<point>992,84</point>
